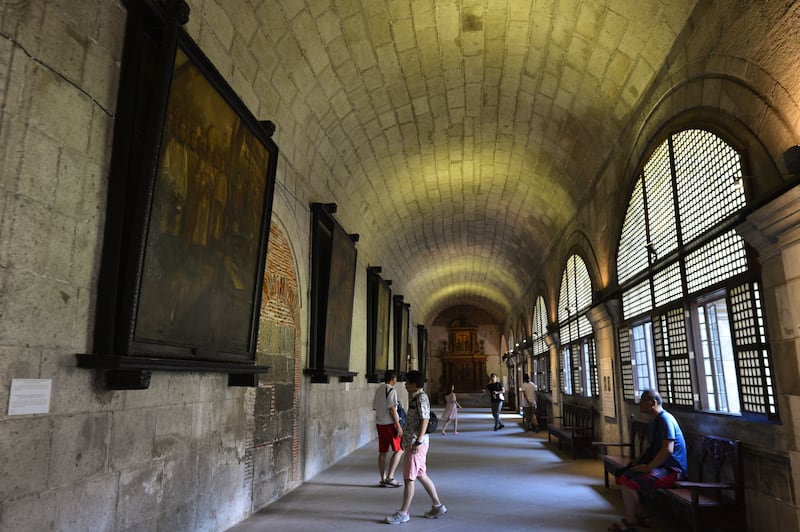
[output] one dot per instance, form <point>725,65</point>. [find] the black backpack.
<point>401,412</point>
<point>433,421</point>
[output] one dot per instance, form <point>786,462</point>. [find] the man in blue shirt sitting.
<point>661,466</point>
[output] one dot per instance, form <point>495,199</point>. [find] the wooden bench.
<point>543,411</point>
<point>575,425</point>
<point>625,453</point>
<point>713,495</point>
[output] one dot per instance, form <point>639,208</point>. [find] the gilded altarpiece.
<point>463,359</point>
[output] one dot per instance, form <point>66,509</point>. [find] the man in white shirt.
<point>387,421</point>
<point>529,404</point>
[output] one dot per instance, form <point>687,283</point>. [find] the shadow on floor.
<point>508,480</point>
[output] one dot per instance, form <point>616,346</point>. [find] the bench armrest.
<point>604,445</point>
<point>548,418</point>
<point>704,485</point>
<point>696,487</point>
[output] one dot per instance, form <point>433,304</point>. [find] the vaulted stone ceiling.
<point>457,137</point>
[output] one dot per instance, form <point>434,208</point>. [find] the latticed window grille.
<point>577,369</point>
<point>632,256</point>
<point>706,171</point>
<point>539,326</point>
<point>674,247</point>
<point>716,261</point>
<point>750,344</point>
<point>637,299</point>
<point>594,375</point>
<point>667,285</point>
<point>658,187</point>
<point>672,357</point>
<point>541,372</point>
<point>574,299</point>
<point>541,357</point>
<point>625,363</point>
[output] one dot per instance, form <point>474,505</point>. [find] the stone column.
<point>552,339</point>
<point>603,317</point>
<point>774,230</point>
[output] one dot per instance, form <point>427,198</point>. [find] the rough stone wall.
<point>171,457</point>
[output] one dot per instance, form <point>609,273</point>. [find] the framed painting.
<point>400,311</point>
<point>333,274</point>
<point>379,305</point>
<point>190,201</point>
<point>422,349</point>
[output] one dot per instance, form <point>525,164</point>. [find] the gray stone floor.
<point>509,480</point>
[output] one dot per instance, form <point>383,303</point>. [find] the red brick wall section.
<point>279,307</point>
<point>279,293</point>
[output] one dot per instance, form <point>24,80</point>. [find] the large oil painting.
<point>206,228</point>
<point>190,192</point>
<point>333,274</point>
<point>379,305</point>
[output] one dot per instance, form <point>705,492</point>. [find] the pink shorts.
<point>415,464</point>
<point>387,439</point>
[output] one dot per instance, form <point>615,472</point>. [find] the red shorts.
<point>387,438</point>
<point>659,477</point>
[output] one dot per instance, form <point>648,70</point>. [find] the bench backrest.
<point>577,416</point>
<point>638,437</point>
<point>713,459</point>
<point>544,409</point>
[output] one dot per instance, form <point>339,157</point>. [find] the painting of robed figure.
<point>206,229</point>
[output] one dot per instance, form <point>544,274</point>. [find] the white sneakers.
<point>397,518</point>
<point>400,517</point>
<point>436,511</point>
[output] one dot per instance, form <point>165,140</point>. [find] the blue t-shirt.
<point>665,427</point>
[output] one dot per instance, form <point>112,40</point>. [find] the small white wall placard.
<point>29,396</point>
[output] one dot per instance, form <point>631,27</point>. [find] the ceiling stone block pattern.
<point>458,138</point>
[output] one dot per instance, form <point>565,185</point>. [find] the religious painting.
<point>378,316</point>
<point>190,201</point>
<point>201,261</point>
<point>333,273</point>
<point>422,349</point>
<point>400,310</point>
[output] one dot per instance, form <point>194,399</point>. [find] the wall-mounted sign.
<point>29,396</point>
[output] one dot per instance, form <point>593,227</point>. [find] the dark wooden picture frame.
<point>379,308</point>
<point>333,274</point>
<point>422,349</point>
<point>190,201</point>
<point>400,315</point>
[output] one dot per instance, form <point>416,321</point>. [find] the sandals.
<point>390,483</point>
<point>622,526</point>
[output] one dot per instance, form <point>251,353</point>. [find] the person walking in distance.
<point>451,410</point>
<point>496,396</point>
<point>529,421</point>
<point>415,443</point>
<point>390,432</point>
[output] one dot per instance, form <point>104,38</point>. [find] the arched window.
<point>541,353</point>
<point>578,361</point>
<point>694,326</point>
